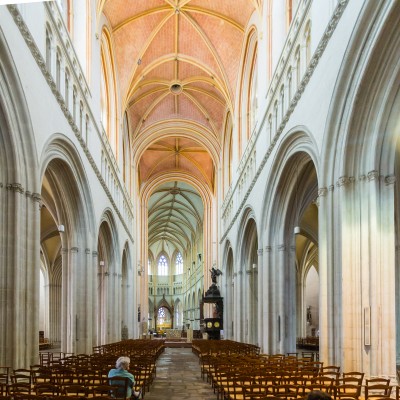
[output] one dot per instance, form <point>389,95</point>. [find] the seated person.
<point>318,395</point>
<point>121,370</point>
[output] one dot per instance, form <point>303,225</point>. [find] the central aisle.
<point>178,377</point>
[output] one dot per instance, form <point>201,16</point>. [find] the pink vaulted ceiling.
<point>192,44</point>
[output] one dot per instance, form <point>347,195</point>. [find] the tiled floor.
<point>178,377</point>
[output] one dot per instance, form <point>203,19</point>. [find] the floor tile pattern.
<point>178,377</point>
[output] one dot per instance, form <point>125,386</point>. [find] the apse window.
<point>179,263</point>
<point>162,266</point>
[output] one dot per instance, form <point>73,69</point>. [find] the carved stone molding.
<point>87,251</point>
<point>64,250</point>
<point>37,197</point>
<point>373,175</point>
<point>390,179</point>
<point>74,250</point>
<point>95,253</point>
<point>322,192</point>
<point>15,187</point>
<point>344,181</point>
<point>281,247</point>
<point>331,188</point>
<point>260,252</point>
<point>268,249</point>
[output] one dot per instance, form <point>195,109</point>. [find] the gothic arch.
<point>67,199</point>
<point>361,149</point>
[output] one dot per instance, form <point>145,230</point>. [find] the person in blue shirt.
<point>121,370</point>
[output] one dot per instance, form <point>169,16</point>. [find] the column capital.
<point>95,253</point>
<point>268,249</point>
<point>74,249</point>
<point>281,247</point>
<point>373,175</point>
<point>390,179</point>
<point>15,187</point>
<point>322,192</point>
<point>344,180</point>
<point>87,251</point>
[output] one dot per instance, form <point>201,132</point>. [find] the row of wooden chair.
<point>73,390</point>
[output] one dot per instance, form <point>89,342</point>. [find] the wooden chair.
<point>257,391</point>
<point>47,389</point>
<point>21,375</point>
<point>103,391</point>
<point>120,385</point>
<point>5,375</point>
<point>354,374</point>
<point>75,390</point>
<point>347,391</point>
<point>287,391</point>
<point>377,388</point>
<point>19,387</point>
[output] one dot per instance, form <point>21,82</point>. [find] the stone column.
<point>54,296</point>
<point>19,276</point>
<point>64,296</point>
<point>324,244</point>
<point>235,308</point>
<point>93,276</point>
<point>260,308</point>
<point>266,300</point>
<point>73,299</point>
<point>379,215</point>
<point>280,298</point>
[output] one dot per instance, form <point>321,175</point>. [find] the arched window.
<point>270,126</point>
<point>289,85</point>
<point>66,88</point>
<point>80,117</point>
<point>282,101</point>
<point>58,69</point>
<point>87,127</point>
<point>162,266</point>
<point>298,65</point>
<point>253,101</point>
<point>74,101</point>
<point>48,50</point>
<point>179,263</point>
<point>307,36</point>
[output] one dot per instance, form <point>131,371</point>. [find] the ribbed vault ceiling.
<point>177,64</point>
<point>175,217</point>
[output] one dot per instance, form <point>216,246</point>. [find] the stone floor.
<point>178,377</point>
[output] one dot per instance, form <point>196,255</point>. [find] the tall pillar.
<point>19,276</point>
<point>64,297</point>
<point>280,298</point>
<point>325,324</point>
<point>266,300</point>
<point>93,273</point>
<point>54,296</point>
<point>260,307</point>
<point>73,297</point>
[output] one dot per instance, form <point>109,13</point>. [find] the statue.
<point>214,273</point>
